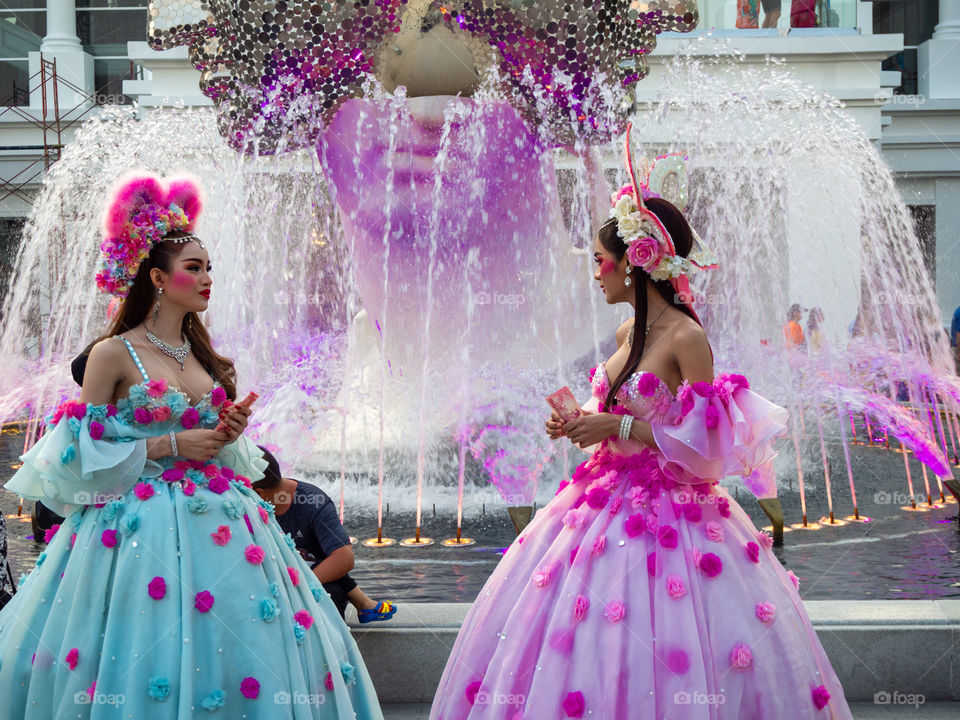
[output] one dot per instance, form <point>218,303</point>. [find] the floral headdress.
<point>649,245</point>
<point>143,211</point>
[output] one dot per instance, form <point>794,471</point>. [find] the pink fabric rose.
<point>820,697</point>
<point>203,601</point>
<point>653,567</point>
<point>667,536</point>
<point>676,587</point>
<point>218,484</point>
<point>753,551</point>
<point>222,535</point>
<point>653,523</point>
<point>794,579</point>
<point>142,416</point>
<point>711,417</point>
<point>580,607</point>
<point>543,575</point>
<point>741,657</point>
<point>50,532</point>
<point>162,414</point>
<point>264,515</point>
<point>573,519</point>
<point>72,657</point>
<point>210,471</point>
<point>644,252</point>
<point>647,384</point>
<point>304,618</point>
<point>96,430</point>
<point>635,525</point>
<point>144,490</point>
<point>328,681</point>
<point>156,388</point>
<point>189,488</point>
<point>614,611</point>
<point>573,704</point>
<point>249,688</point>
<point>714,531</point>
<point>765,612</point>
<point>218,395</point>
<point>294,575</point>
<point>710,565</point>
<point>157,588</point>
<point>109,538</point>
<point>765,540</point>
<point>254,554</point>
<point>172,475</point>
<point>599,545</point>
<point>615,505</point>
<point>190,418</point>
<point>723,506</point>
<point>597,498</point>
<point>693,512</point>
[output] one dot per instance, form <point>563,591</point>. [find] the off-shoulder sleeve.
<point>87,456</point>
<point>244,458</point>
<point>719,429</point>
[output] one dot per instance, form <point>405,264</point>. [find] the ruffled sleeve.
<point>244,458</point>
<point>719,429</point>
<point>86,457</point>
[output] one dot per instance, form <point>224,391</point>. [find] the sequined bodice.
<point>643,394</point>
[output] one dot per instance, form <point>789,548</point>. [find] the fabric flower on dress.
<point>162,414</point>
<point>580,607</point>
<point>96,430</point>
<point>597,498</point>
<point>157,588</point>
<point>50,532</point>
<point>573,519</point>
<point>217,396</point>
<point>328,681</point>
<point>144,490</point>
<point>676,587</point>
<point>299,634</point>
<point>156,388</point>
<point>544,574</point>
<point>599,545</point>
<point>222,535</point>
<point>574,705</point>
<point>268,609</point>
<point>714,531</point>
<point>765,540</point>
<point>214,701</point>
<point>129,524</point>
<point>72,657</point>
<point>741,657</point>
<point>303,618</point>
<point>250,688</point>
<point>710,565</point>
<point>765,612</point>
<point>647,384</point>
<point>723,506</point>
<point>820,697</point>
<point>203,601</point>
<point>159,688</point>
<point>349,673</point>
<point>109,538</point>
<point>143,416</point>
<point>196,504</point>
<point>635,525</point>
<point>190,418</point>
<point>667,536</point>
<point>677,660</point>
<point>68,455</point>
<point>794,579</point>
<point>294,575</point>
<point>218,484</point>
<point>112,510</point>
<point>472,690</point>
<point>614,611</point>
<point>254,554</point>
<point>653,567</point>
<point>753,551</point>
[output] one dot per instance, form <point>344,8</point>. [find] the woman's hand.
<point>236,419</point>
<point>590,428</point>
<point>201,445</point>
<point>554,426</point>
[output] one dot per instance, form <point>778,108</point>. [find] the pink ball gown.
<point>642,590</point>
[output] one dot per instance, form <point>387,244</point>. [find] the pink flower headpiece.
<point>649,245</point>
<point>143,211</point>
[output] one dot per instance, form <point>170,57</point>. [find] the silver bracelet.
<point>173,444</point>
<point>626,423</point>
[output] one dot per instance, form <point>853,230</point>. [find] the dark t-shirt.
<point>313,523</point>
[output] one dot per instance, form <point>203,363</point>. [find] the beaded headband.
<point>143,211</point>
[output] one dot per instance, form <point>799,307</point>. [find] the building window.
<point>925,226</point>
<point>915,21</point>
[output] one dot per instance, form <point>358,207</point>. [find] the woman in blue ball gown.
<point>169,591</point>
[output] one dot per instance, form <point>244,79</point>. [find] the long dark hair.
<point>140,300</point>
<point>676,224</point>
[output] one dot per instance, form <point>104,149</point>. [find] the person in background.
<point>748,13</point>
<point>803,14</point>
<point>815,329</point>
<point>308,515</point>
<point>7,585</point>
<point>792,332</point>
<point>955,339</point>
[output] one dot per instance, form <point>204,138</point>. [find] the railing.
<point>782,15</point>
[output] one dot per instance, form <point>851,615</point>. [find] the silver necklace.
<point>177,353</point>
<point>649,325</point>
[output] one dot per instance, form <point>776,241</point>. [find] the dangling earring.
<point>156,308</point>
<point>189,322</point>
<point>626,280</point>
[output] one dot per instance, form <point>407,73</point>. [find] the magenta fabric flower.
<point>172,474</point>
<point>190,418</point>
<point>218,395</point>
<point>710,565</point>
<point>111,410</point>
<point>543,575</point>
<point>210,471</point>
<point>599,545</point>
<point>157,588</point>
<point>472,690</point>
<point>222,535</point>
<point>765,612</point>
<point>264,515</point>
<point>573,553</point>
<point>189,487</point>
<point>96,430</point>
<point>693,512</point>
<point>328,681</point>
<point>203,601</point>
<point>72,657</point>
<point>765,540</point>
<point>73,539</point>
<point>574,705</point>
<point>647,384</point>
<point>614,611</point>
<point>753,551</point>
<point>653,567</point>
<point>50,532</point>
<point>635,525</point>
<point>723,506</point>
<point>77,410</point>
<point>162,414</point>
<point>820,697</point>
<point>711,417</point>
<point>143,490</point>
<point>741,657</point>
<point>667,536</point>
<point>156,388</point>
<point>615,506</point>
<point>580,607</point>
<point>218,485</point>
<point>294,575</point>
<point>254,554</point>
<point>109,538</point>
<point>227,473</point>
<point>597,498</point>
<point>676,587</point>
<point>304,618</point>
<point>143,416</point>
<point>249,688</point>
<point>714,531</point>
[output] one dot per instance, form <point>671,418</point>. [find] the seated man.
<point>309,516</point>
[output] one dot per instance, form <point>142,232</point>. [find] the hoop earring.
<point>156,307</point>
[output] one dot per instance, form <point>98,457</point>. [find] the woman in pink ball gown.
<point>643,590</point>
